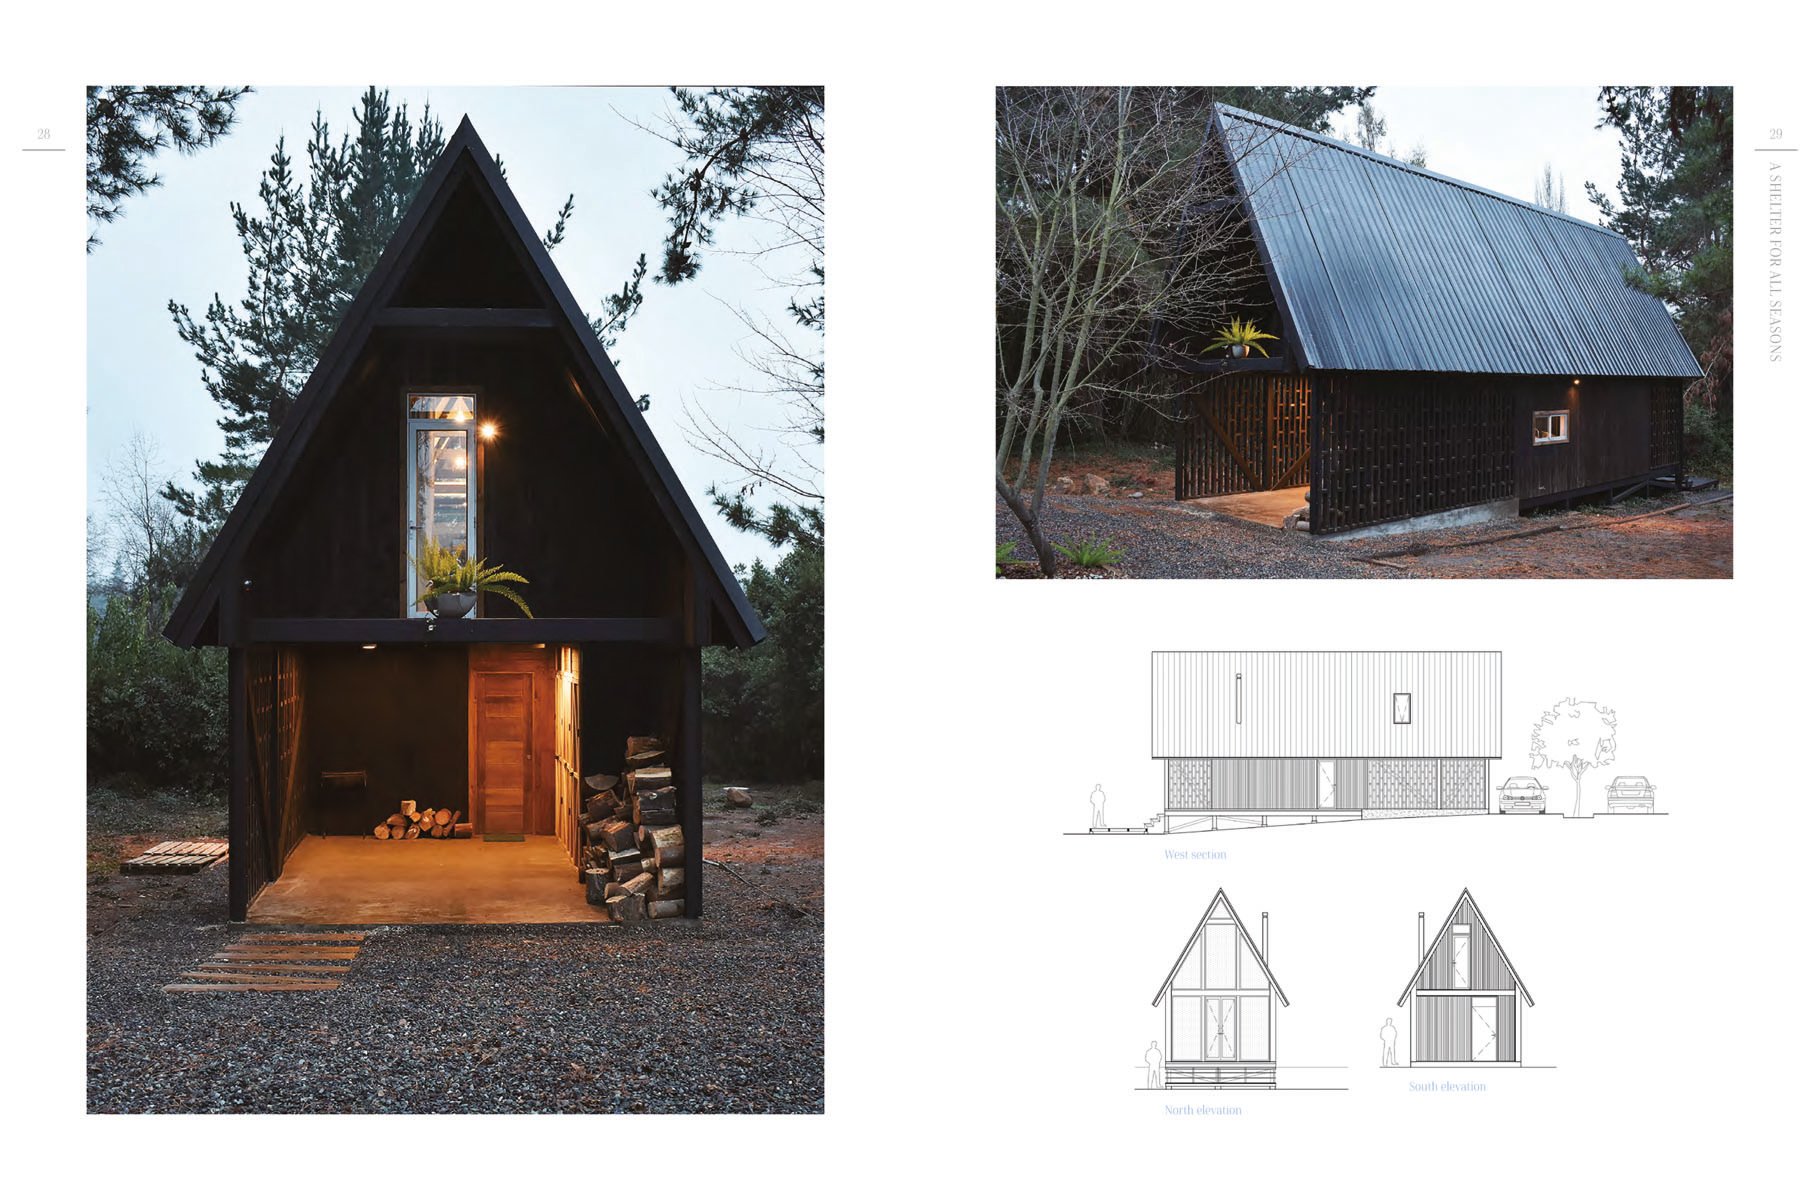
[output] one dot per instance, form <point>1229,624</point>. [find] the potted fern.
<point>1239,338</point>
<point>452,582</point>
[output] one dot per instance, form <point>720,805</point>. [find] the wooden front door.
<point>503,782</point>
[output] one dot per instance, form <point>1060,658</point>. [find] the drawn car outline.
<point>1522,793</point>
<point>1629,793</point>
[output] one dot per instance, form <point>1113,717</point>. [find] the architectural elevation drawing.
<point>1218,1007</point>
<point>1462,998</point>
<point>1257,738</point>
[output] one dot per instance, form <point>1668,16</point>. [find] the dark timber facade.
<point>1442,347</point>
<point>464,397</point>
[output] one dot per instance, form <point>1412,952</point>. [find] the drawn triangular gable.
<point>423,259</point>
<point>1464,911</point>
<point>1220,909</point>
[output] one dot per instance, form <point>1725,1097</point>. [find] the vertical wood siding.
<point>1489,973</point>
<point>1325,704</point>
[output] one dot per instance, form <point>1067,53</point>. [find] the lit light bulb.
<point>488,430</point>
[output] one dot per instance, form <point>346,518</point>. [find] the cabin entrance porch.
<point>485,737</point>
<point>1272,508</point>
<point>347,880</point>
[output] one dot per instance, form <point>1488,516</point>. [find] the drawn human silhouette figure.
<point>1098,807</point>
<point>1388,1034</point>
<point>1152,1058</point>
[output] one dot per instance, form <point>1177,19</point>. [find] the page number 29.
<point>1774,135</point>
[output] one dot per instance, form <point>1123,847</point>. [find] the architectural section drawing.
<point>1258,738</point>
<point>1219,1007</point>
<point>1462,998</point>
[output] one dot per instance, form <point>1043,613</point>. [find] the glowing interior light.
<point>370,646</point>
<point>488,430</point>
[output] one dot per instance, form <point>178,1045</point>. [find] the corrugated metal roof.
<point>1325,704</point>
<point>1388,267</point>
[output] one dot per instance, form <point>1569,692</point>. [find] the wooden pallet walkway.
<point>176,858</point>
<point>275,962</point>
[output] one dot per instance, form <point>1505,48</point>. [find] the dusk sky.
<point>1501,137</point>
<point>178,242</point>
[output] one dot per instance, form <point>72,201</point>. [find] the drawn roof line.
<point>1465,897</point>
<point>1219,897</point>
<point>464,157</point>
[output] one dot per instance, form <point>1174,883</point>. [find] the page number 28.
<point>43,133</point>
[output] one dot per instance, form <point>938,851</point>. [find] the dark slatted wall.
<point>276,789</point>
<point>1665,413</point>
<point>1397,446</point>
<point>1263,417</point>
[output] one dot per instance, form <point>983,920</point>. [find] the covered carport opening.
<point>337,736</point>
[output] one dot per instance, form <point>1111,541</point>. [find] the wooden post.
<point>1316,458</point>
<point>687,761</point>
<point>239,856</point>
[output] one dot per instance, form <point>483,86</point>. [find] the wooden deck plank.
<point>252,977</point>
<point>284,986</point>
<point>281,968</point>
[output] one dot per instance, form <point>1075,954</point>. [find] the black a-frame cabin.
<point>1445,352</point>
<point>464,399</point>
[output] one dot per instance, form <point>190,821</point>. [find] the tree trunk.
<point>1031,520</point>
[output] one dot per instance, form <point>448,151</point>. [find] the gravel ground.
<point>1165,539</point>
<point>724,1015</point>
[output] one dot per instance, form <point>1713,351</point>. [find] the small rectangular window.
<point>1550,427</point>
<point>1403,711</point>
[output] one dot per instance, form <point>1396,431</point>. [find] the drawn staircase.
<point>1219,1075</point>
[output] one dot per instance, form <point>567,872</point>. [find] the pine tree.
<point>1673,204</point>
<point>753,154</point>
<point>128,125</point>
<point>310,241</point>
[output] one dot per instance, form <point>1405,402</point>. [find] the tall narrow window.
<point>1402,709</point>
<point>1462,956</point>
<point>440,473</point>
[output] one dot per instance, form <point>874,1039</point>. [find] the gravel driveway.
<point>723,1016</point>
<point>1164,539</point>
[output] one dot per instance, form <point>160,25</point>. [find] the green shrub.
<point>154,711</point>
<point>1708,442</point>
<point>1089,552</point>
<point>762,714</point>
<point>1005,550</point>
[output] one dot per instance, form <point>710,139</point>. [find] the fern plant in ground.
<point>1089,552</point>
<point>449,572</point>
<point>1005,550</point>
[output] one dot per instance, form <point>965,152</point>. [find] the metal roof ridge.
<point>1386,160</point>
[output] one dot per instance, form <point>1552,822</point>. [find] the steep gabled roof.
<point>464,159</point>
<point>1219,899</point>
<point>1464,902</point>
<point>1380,266</point>
<point>1325,704</point>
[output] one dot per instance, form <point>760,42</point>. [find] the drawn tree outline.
<point>1574,736</point>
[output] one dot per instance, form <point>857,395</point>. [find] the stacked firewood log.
<point>411,822</point>
<point>636,856</point>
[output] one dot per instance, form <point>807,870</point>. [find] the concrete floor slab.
<point>1265,508</point>
<point>364,881</point>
